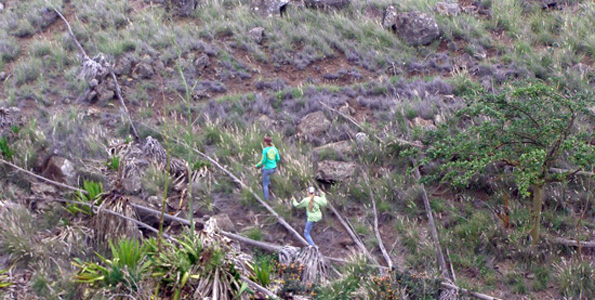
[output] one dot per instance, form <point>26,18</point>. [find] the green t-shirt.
<point>270,157</point>
<point>315,214</point>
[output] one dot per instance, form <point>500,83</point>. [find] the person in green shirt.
<point>313,204</point>
<point>270,157</point>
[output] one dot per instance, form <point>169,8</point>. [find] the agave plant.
<point>124,271</point>
<point>198,267</point>
<point>93,190</point>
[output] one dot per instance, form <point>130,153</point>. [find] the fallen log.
<point>573,243</point>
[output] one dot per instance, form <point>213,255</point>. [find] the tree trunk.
<point>536,213</point>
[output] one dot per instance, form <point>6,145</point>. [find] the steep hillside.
<point>357,97</point>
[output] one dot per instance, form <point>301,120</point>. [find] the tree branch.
<point>43,178</point>
<point>376,230</point>
<point>433,230</point>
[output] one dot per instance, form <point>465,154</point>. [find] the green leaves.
<point>528,126</point>
<point>93,189</point>
<point>5,149</point>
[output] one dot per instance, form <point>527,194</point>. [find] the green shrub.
<point>126,268</point>
<point>28,71</point>
<point>5,149</point>
<point>114,163</point>
<point>93,189</point>
<point>263,272</point>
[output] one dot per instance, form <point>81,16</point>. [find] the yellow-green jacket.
<point>315,214</point>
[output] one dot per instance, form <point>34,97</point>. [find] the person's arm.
<point>322,199</point>
<point>277,158</point>
<point>258,165</point>
<point>300,204</point>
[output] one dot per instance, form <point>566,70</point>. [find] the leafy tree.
<point>532,127</point>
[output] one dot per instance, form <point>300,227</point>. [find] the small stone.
<point>93,83</point>
<point>447,9</point>
<point>390,18</point>
<point>1,7</point>
<point>257,34</point>
<point>425,124</point>
<point>225,223</point>
<point>202,62</point>
<point>143,70</point>
<point>2,75</point>
<point>104,94</point>
<point>361,139</point>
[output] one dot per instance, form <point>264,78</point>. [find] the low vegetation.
<point>501,105</point>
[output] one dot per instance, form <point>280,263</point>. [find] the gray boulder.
<point>256,34</point>
<point>183,8</point>
<point>124,64</point>
<point>143,70</point>
<point>314,124</point>
<point>10,117</point>
<point>268,8</point>
<point>448,9</point>
<point>59,169</point>
<point>327,4</point>
<point>423,123</point>
<point>103,94</point>
<point>202,62</point>
<point>389,19</point>
<point>263,121</point>
<point>334,171</point>
<point>362,139</point>
<point>417,28</point>
<point>224,222</point>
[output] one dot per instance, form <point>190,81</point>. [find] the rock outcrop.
<point>59,169</point>
<point>268,8</point>
<point>447,8</point>
<point>417,28</point>
<point>327,4</point>
<point>313,125</point>
<point>256,34</point>
<point>183,8</point>
<point>334,171</point>
<point>389,18</point>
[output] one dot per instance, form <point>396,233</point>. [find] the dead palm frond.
<point>108,226</point>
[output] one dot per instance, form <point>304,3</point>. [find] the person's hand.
<point>256,166</point>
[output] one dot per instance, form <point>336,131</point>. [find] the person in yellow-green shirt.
<point>270,157</point>
<point>312,203</point>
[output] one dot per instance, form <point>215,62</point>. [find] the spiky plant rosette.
<point>107,226</point>
<point>315,268</point>
<point>201,266</point>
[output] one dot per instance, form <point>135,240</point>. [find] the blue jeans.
<point>307,230</point>
<point>266,180</point>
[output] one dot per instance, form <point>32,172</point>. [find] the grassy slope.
<point>307,57</point>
